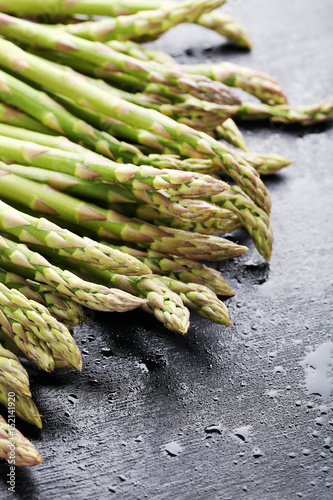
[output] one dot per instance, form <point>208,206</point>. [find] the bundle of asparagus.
<point>113,180</point>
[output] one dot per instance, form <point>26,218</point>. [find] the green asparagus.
<point>15,448</point>
<point>12,373</point>
<point>31,230</point>
<point>35,267</point>
<point>61,307</point>
<point>32,328</point>
<point>144,25</point>
<point>25,408</point>
<point>182,269</point>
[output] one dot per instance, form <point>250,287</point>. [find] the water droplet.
<point>327,442</point>
<point>292,455</point>
<point>243,433</point>
<point>306,451</point>
<point>72,398</point>
<point>279,369</point>
<point>316,365</point>
<point>93,382</point>
<point>138,439</point>
<point>273,394</point>
<point>257,453</point>
<point>214,429</point>
<point>106,351</point>
<point>122,478</point>
<point>173,448</point>
<point>143,367</point>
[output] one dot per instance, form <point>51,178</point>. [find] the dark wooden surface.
<point>142,388</point>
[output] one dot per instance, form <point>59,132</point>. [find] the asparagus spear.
<point>215,20</point>
<point>32,328</point>
<point>196,296</point>
<point>110,224</point>
<point>58,142</point>
<point>182,269</point>
<point>28,229</point>
<point>303,115</point>
<point>35,267</point>
<point>214,226</point>
<point>12,373</point>
<point>16,118</point>
<point>166,305</point>
<point>229,131</point>
<point>145,24</point>
<point>226,26</point>
<point>25,408</point>
<point>264,164</point>
<point>201,299</point>
<point>252,218</point>
<point>259,84</point>
<point>51,114</point>
<point>180,208</point>
<point>84,166</point>
<point>61,307</point>
<point>104,56</point>
<point>15,448</point>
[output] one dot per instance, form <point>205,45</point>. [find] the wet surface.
<point>224,413</point>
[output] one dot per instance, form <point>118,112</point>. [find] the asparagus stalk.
<point>229,131</point>
<point>303,115</point>
<point>15,448</point>
<point>99,169</point>
<point>12,373</point>
<point>226,224</point>
<point>15,117</point>
<point>226,26</point>
<point>61,307</point>
<point>144,25</point>
<point>266,164</point>
<point>196,296</point>
<point>109,224</point>
<point>35,267</point>
<point>59,142</point>
<point>221,23</point>
<point>180,208</point>
<point>259,84</point>
<point>166,305</point>
<point>25,408</point>
<point>200,298</point>
<point>104,56</point>
<point>55,117</point>
<point>32,230</point>
<point>182,269</point>
<point>254,219</point>
<point>32,328</point>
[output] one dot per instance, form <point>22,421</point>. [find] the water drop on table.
<point>210,429</point>
<point>318,365</point>
<point>173,448</point>
<point>243,433</point>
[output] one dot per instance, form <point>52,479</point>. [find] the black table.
<point>230,404</point>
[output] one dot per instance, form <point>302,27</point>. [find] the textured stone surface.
<point>221,413</point>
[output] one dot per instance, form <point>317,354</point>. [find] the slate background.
<point>142,387</point>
